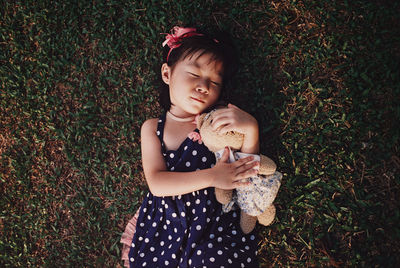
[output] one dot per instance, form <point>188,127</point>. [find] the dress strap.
<point>160,131</point>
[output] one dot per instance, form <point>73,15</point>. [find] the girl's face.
<point>194,84</point>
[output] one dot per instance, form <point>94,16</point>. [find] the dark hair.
<point>219,45</point>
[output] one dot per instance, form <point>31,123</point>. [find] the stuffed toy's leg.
<point>223,196</point>
<point>247,222</point>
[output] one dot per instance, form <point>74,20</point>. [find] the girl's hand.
<point>234,119</point>
<point>229,175</point>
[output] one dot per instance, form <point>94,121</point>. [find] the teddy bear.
<point>254,200</point>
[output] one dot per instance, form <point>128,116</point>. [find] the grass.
<point>321,77</point>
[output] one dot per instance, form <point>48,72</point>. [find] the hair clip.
<point>173,39</point>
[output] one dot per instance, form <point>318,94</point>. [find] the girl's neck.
<point>182,119</point>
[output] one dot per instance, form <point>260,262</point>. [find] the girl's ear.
<point>165,73</point>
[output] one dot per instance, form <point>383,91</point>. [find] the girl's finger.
<point>230,105</point>
<point>249,167</point>
<point>225,155</point>
<point>243,161</point>
<point>238,184</point>
<point>247,174</point>
<point>219,121</point>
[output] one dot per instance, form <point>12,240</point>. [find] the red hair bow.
<point>173,39</point>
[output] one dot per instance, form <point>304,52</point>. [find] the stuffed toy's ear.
<point>200,120</point>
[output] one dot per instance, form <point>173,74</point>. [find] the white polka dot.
<point>252,237</point>
<point>132,259</point>
<point>158,133</point>
<point>193,211</point>
<point>212,165</point>
<point>204,210</point>
<point>171,155</point>
<point>152,249</point>
<point>144,264</point>
<point>212,236</point>
<point>219,239</point>
<point>169,237</point>
<point>155,259</point>
<point>174,215</point>
<point>208,220</point>
<point>248,260</point>
<point>247,247</point>
<point>243,239</point>
<point>194,152</point>
<point>173,168</point>
<point>141,255</point>
<point>166,206</point>
<point>157,234</point>
<point>196,218</point>
<point>145,209</point>
<point>146,240</point>
<point>199,252</point>
<point>141,224</point>
<point>168,222</point>
<point>162,243</point>
<point>208,202</point>
<point>197,201</point>
<point>188,203</point>
<point>230,261</point>
<point>198,227</point>
<point>175,230</point>
<point>166,262</point>
<point>183,214</point>
<point>235,255</point>
<point>220,229</point>
<point>173,256</point>
<point>210,245</point>
<point>205,191</point>
<point>219,252</point>
<point>193,245</point>
<point>188,164</point>
<point>212,259</point>
<point>140,238</point>
<point>204,159</point>
<point>185,148</point>
<point>154,224</point>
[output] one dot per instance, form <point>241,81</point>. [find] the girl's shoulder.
<point>150,126</point>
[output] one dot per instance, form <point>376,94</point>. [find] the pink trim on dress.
<point>126,238</point>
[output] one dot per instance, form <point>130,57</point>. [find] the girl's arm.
<point>166,183</point>
<point>235,119</point>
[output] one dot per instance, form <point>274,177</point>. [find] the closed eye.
<point>194,75</point>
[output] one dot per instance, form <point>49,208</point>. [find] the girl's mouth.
<point>197,99</point>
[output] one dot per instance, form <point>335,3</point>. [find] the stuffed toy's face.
<point>215,141</point>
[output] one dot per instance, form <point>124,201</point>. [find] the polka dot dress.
<point>189,230</point>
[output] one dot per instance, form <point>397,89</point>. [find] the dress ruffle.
<point>127,236</point>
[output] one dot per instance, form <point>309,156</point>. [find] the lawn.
<point>77,81</point>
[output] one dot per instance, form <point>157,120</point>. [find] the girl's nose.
<point>203,86</point>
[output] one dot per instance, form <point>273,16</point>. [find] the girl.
<point>180,223</point>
